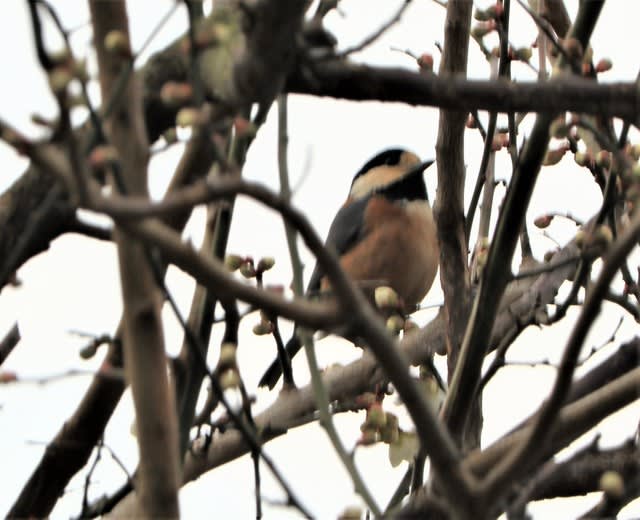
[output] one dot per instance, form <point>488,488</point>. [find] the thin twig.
<point>377,34</point>
<point>8,343</point>
<point>87,479</point>
<point>111,373</point>
<point>546,267</point>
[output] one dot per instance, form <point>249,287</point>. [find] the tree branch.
<point>345,80</point>
<point>143,342</point>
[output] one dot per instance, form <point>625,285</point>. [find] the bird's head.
<point>396,173</point>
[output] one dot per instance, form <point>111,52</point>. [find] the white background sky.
<point>74,286</point>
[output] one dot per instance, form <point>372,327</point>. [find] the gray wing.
<point>345,232</point>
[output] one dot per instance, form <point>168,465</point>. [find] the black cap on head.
<point>387,157</point>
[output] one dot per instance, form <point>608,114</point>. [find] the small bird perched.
<point>383,233</point>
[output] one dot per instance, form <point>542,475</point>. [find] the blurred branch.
<point>143,341</point>
<point>356,82</point>
<point>581,474</point>
<point>377,34</point>
<point>8,343</point>
<point>449,205</point>
<point>210,272</point>
<point>610,504</point>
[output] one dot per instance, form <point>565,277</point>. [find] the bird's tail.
<point>273,373</point>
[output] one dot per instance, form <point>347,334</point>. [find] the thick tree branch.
<point>449,205</point>
<point>143,342</point>
<point>345,80</point>
<point>581,474</point>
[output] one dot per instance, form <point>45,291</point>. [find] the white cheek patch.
<point>374,179</point>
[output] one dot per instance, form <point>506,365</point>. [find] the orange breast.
<point>399,249</point>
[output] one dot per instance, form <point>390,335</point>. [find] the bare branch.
<point>514,465</point>
<point>345,80</point>
<point>8,343</point>
<point>377,34</point>
<point>143,342</point>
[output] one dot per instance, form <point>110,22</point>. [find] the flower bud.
<point>351,513</point>
<point>602,236</point>
<point>425,62</point>
<point>247,270</point>
<point>603,65</point>
<point>490,13</point>
<point>395,323</point>
<point>79,70</point>
<point>385,298</point>
<point>366,400</point>
<point>8,376</point>
<point>88,351</point>
<point>543,221</point>
<point>170,135</point>
<point>612,484</point>
<point>265,263</point>
<point>233,262</point>
<point>376,417</point>
<point>229,379</point>
<point>59,79</point>
<point>187,117</point>
<point>227,357</point>
<point>263,328</point>
<point>480,30</point>
<point>522,54</point>
<point>117,43</point>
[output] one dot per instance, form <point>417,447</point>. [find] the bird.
<point>383,233</point>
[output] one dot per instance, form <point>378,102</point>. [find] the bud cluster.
<point>379,426</point>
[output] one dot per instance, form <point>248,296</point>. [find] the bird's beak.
<point>419,168</point>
